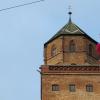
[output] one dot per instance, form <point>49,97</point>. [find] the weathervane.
<point>69,12</point>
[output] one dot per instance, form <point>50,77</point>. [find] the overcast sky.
<point>24,30</point>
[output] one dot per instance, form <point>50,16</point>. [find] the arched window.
<point>72,46</point>
<point>89,88</point>
<point>53,50</point>
<point>55,87</point>
<point>90,49</point>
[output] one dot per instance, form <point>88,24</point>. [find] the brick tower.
<point>71,70</point>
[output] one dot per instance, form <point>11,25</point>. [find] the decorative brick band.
<point>71,69</point>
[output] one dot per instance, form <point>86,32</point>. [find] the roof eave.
<point>70,35</point>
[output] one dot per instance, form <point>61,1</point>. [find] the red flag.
<point>98,48</point>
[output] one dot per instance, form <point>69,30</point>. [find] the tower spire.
<point>70,13</point>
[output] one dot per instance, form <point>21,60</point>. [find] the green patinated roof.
<point>69,29</point>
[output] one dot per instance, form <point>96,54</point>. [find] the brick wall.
<point>64,80</point>
<point>63,56</point>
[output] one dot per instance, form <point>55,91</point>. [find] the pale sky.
<point>24,30</point>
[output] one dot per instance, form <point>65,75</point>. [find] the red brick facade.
<point>70,62</point>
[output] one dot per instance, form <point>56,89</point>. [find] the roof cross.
<point>69,8</point>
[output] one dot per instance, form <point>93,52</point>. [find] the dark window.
<point>72,87</point>
<point>55,87</point>
<point>89,88</point>
<point>53,50</point>
<point>90,50</point>
<point>72,46</point>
